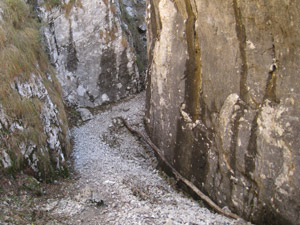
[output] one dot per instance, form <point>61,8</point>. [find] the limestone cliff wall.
<point>93,55</point>
<point>223,100</point>
<point>33,125</point>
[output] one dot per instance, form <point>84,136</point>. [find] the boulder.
<point>85,114</point>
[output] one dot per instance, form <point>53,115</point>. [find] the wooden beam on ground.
<point>177,174</point>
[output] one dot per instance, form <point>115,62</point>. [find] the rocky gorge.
<point>221,104</point>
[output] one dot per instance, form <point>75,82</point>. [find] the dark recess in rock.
<point>72,60</point>
<point>107,76</point>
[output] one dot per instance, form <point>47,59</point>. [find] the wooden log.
<point>177,174</point>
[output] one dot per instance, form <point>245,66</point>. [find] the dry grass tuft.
<point>50,4</point>
<point>19,41</point>
<point>105,2</point>
<point>69,6</point>
<point>113,9</point>
<point>124,42</point>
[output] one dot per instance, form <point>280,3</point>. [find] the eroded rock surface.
<point>222,100</point>
<point>93,55</point>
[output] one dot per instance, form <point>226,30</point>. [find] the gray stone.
<point>85,114</point>
<point>1,14</point>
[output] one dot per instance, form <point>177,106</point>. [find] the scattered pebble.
<point>121,174</point>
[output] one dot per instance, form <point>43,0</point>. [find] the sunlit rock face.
<point>91,50</point>
<point>223,100</point>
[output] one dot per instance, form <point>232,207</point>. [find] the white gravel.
<point>114,166</point>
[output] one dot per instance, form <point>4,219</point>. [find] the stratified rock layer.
<point>223,100</point>
<point>93,56</point>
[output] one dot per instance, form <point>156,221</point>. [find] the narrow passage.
<point>119,182</point>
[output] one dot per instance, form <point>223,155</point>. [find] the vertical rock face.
<point>33,126</point>
<point>93,56</point>
<point>223,100</point>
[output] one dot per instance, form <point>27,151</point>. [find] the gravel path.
<point>119,182</point>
